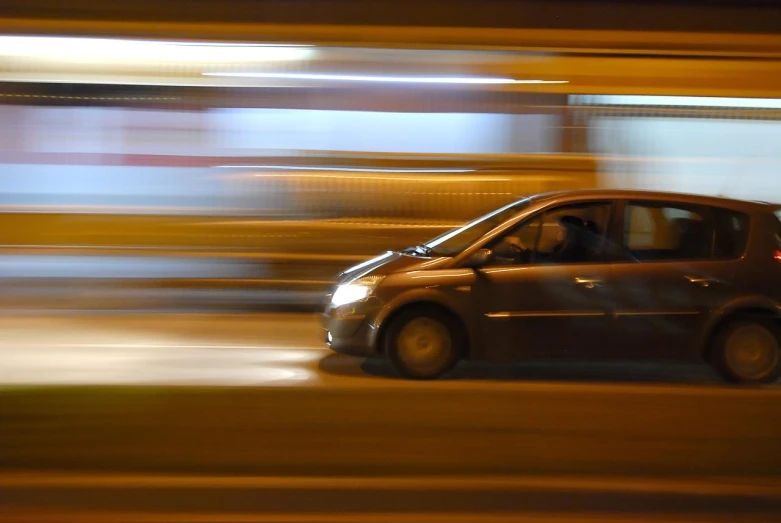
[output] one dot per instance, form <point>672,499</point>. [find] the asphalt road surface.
<point>75,348</point>
<point>131,417</point>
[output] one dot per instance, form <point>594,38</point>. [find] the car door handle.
<point>589,283</point>
<point>702,282</point>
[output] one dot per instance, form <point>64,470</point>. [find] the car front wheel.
<point>748,352</point>
<point>423,343</point>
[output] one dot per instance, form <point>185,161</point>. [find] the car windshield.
<point>456,240</point>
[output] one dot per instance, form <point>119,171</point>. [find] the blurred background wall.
<point>236,161</point>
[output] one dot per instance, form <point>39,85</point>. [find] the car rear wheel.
<point>423,343</point>
<point>748,352</point>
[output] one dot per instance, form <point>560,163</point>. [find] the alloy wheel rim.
<point>752,352</point>
<point>424,344</point>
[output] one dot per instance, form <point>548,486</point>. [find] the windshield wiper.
<point>424,250</point>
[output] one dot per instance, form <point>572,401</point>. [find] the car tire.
<point>424,343</point>
<point>748,351</point>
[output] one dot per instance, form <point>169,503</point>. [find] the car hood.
<point>389,263</point>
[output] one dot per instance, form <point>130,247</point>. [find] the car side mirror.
<point>480,258</point>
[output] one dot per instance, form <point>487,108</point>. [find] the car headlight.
<point>355,291</point>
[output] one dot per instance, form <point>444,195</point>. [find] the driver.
<point>572,248</point>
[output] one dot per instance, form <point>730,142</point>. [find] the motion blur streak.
<point>389,79</point>
<point>110,50</point>
<point>557,440</point>
<point>180,182</point>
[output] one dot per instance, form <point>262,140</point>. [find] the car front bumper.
<point>351,329</point>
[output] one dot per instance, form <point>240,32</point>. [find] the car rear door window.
<point>663,231</point>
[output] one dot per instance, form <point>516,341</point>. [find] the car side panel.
<point>450,289</point>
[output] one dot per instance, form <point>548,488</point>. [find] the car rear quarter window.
<point>778,228</point>
<point>731,233</point>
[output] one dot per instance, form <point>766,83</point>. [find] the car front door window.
<point>565,235</point>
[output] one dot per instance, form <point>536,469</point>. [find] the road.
<point>139,408</point>
<point>160,349</point>
<point>274,349</point>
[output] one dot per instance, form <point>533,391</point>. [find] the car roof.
<point>672,197</point>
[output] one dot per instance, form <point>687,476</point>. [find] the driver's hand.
<point>515,245</point>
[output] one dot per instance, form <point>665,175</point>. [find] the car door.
<point>670,280</point>
<point>541,302</point>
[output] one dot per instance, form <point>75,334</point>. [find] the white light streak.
<point>121,50</point>
<point>345,169</point>
<point>678,101</point>
<point>474,80</point>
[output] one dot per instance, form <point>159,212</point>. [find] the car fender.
<point>455,299</point>
<point>754,302</point>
